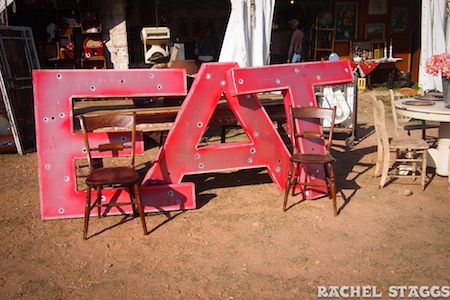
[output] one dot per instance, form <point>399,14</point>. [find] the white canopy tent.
<point>4,4</point>
<point>247,38</point>
<point>435,39</point>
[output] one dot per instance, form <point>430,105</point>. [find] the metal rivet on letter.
<point>277,81</point>
<point>48,166</point>
<point>170,193</point>
<point>197,156</point>
<point>296,70</point>
<point>92,88</point>
<point>278,169</point>
<point>318,77</point>
<point>241,81</point>
<point>223,82</point>
<point>62,115</point>
<point>59,76</point>
<point>66,178</point>
<point>61,210</point>
<point>200,124</point>
<point>159,86</point>
<point>152,75</point>
<point>208,76</point>
<point>201,165</point>
<point>250,160</point>
<point>253,150</point>
<point>45,119</point>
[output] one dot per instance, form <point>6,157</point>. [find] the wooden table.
<point>159,114</point>
<point>377,71</point>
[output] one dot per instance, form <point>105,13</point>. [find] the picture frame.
<point>346,21</point>
<point>375,31</point>
<point>399,19</point>
<point>357,47</point>
<point>377,7</point>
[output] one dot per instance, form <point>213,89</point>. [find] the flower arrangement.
<point>439,63</point>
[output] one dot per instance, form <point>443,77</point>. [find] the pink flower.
<point>438,63</point>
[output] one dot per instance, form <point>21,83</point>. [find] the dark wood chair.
<point>118,176</point>
<point>299,161</point>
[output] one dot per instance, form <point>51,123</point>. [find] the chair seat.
<point>113,175</point>
<point>409,143</point>
<point>312,158</point>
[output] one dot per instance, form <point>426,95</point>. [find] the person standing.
<point>206,48</point>
<point>295,47</point>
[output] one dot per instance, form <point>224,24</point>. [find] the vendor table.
<point>431,111</point>
<point>377,71</point>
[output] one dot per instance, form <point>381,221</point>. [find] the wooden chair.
<point>410,158</point>
<point>114,176</point>
<point>405,123</point>
<point>299,160</point>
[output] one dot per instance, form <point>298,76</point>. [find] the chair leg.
<point>98,201</point>
<point>424,168</point>
<point>333,193</point>
<point>294,180</point>
<point>332,188</point>
<point>424,135</point>
<point>140,207</point>
<point>385,169</point>
<point>87,211</point>
<point>288,186</point>
<point>132,201</point>
<point>379,160</point>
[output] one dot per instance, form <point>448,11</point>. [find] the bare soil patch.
<point>238,244</point>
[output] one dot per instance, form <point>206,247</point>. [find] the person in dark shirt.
<point>206,48</point>
<point>295,47</point>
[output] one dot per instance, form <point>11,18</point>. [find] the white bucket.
<point>443,149</point>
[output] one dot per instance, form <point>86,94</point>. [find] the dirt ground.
<point>238,244</point>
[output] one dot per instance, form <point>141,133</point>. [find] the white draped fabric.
<point>435,39</point>
<point>247,38</point>
<point>4,3</point>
